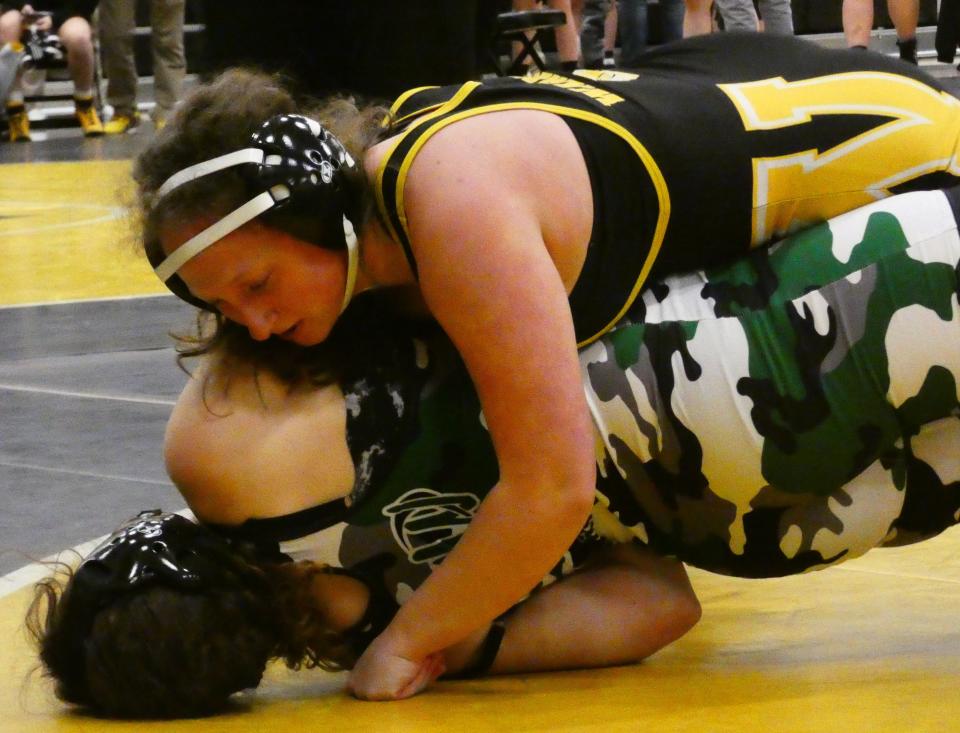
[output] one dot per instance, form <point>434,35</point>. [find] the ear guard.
<point>292,160</point>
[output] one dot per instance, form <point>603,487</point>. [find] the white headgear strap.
<point>350,236</point>
<point>193,172</point>
<point>240,216</point>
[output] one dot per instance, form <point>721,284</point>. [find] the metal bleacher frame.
<point>527,28</point>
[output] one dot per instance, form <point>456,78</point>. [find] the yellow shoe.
<point>19,123</point>
<point>88,117</point>
<point>122,123</point>
<point>159,123</point>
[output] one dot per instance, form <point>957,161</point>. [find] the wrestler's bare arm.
<point>489,276</point>
<point>620,609</point>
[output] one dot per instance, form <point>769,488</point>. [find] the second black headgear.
<point>152,549</point>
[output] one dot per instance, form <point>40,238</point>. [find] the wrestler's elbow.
<point>579,496</point>
<point>575,472</point>
<point>564,491</point>
<point>569,506</point>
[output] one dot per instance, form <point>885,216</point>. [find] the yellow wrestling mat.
<point>64,234</point>
<point>870,646</point>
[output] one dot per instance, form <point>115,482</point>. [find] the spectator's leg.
<point>77,39</point>
<point>632,18</point>
<point>671,20</point>
<point>857,22</point>
<point>576,6</point>
<point>169,61</point>
<point>777,17</point>
<point>567,35</point>
<point>11,55</point>
<point>117,25</point>
<point>697,19</point>
<point>905,15</point>
<point>610,36</point>
<point>591,32</point>
<point>738,15</point>
<point>11,27</point>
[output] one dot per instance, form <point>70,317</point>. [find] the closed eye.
<point>259,285</point>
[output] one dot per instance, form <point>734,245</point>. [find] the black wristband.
<point>487,654</point>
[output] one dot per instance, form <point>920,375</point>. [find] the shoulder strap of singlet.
<point>416,102</point>
<point>418,109</point>
<point>273,530</point>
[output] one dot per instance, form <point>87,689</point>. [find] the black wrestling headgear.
<point>292,161</point>
<point>156,548</point>
<point>152,549</point>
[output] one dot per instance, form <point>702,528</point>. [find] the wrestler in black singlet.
<point>714,144</point>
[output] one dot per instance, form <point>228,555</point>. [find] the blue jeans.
<point>633,28</point>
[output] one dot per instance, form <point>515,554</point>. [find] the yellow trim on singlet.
<point>455,100</point>
<point>424,110</point>
<point>398,103</point>
<point>660,185</point>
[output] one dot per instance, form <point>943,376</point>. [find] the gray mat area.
<point>85,393</point>
<point>71,145</point>
<point>134,376</point>
<point>95,326</point>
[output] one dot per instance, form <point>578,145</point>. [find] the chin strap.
<point>350,237</point>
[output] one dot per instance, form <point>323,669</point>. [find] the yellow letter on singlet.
<point>800,187</point>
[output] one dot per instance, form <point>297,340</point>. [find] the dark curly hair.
<point>162,652</point>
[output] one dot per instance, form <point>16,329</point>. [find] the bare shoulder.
<point>484,176</point>
<point>255,449</point>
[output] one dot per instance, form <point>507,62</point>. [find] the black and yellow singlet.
<point>714,144</point>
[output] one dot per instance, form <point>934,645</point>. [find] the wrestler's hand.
<point>383,674</point>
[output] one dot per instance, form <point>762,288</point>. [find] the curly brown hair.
<point>219,117</point>
<point>165,653</point>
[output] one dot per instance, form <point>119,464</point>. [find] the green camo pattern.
<point>794,409</point>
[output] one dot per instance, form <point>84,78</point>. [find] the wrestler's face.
<point>266,280</point>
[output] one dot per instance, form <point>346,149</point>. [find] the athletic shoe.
<point>908,51</point>
<point>88,117</point>
<point>19,123</point>
<point>122,123</point>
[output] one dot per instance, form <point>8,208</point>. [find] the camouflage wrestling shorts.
<point>795,409</point>
<point>784,413</point>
